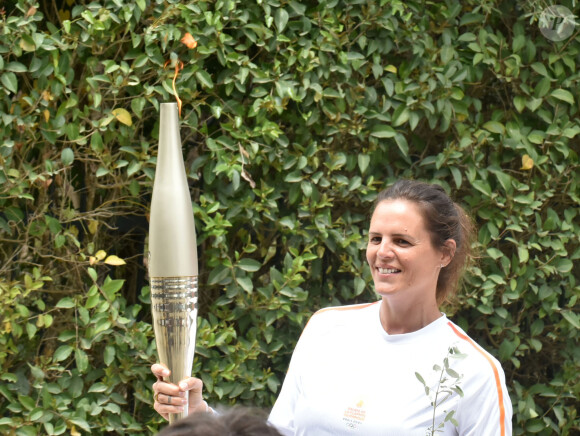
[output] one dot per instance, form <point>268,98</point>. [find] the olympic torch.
<point>173,255</point>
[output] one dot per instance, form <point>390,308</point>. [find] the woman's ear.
<point>448,251</point>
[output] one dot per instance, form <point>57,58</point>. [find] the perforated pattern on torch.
<point>174,308</point>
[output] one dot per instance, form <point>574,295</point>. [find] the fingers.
<point>191,384</point>
<point>165,388</point>
<point>169,403</point>
<point>171,398</point>
<point>160,371</point>
<point>168,398</point>
<point>166,404</point>
<point>194,387</point>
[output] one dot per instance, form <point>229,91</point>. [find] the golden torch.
<point>173,255</point>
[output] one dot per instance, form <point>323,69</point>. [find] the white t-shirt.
<point>348,376</point>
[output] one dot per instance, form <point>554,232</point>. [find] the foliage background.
<point>295,115</point>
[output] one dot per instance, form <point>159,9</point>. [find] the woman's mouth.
<point>388,270</point>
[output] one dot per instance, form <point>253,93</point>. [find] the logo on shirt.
<point>353,417</point>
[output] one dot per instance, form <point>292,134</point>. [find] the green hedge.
<point>295,115</point>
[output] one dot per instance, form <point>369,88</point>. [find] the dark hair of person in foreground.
<point>239,421</point>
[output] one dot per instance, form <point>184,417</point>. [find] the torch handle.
<point>174,309</point>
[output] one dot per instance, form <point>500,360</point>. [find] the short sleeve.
<point>486,408</point>
<point>283,413</point>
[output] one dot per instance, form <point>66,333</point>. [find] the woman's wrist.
<point>202,407</point>
<point>209,409</point>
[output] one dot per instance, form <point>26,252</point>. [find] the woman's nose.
<point>385,250</point>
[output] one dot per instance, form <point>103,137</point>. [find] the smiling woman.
<point>397,366</point>
<point>419,244</point>
<point>405,265</point>
<point>445,221</point>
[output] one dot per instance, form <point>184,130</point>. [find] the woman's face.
<point>402,259</point>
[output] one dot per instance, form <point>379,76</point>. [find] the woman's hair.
<point>444,220</point>
<point>239,421</point>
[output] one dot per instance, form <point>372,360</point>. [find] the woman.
<point>397,366</point>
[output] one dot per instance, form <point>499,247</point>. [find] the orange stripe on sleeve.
<point>352,307</point>
<point>495,373</point>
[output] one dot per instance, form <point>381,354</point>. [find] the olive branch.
<point>448,383</point>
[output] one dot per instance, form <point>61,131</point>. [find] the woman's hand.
<point>170,398</point>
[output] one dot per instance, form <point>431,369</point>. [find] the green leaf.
<point>306,188</point>
<point>216,110</point>
<point>204,78</point>
<point>81,422</point>
<point>27,402</point>
<point>536,137</point>
<point>288,222</point>
<point>218,274</point>
<point>82,360</point>
<point>447,53</point>
<point>562,94</point>
<point>280,19</point>
<point>245,283</point>
<point>359,285</point>
<point>383,131</point>
<point>401,115</point>
<point>92,301</point>
<point>505,180</point>
<point>402,144</point>
<point>535,426</point>
<point>10,82</point>
<point>519,103</point>
<point>67,156</point>
<point>363,162</point>
<point>16,67</point>
<point>31,330</point>
<point>250,265</point>
<point>543,87</point>
<point>467,37</point>
<point>65,303</point>
<point>471,18</point>
<point>273,383</point>
<point>572,318</point>
<point>109,355</point>
<point>495,127</point>
<point>98,387</point>
<point>297,7</point>
<point>494,253</point>
<point>533,104</point>
<point>518,43</point>
<point>537,327</point>
<point>62,353</point>
<point>564,266</point>
<point>110,288</point>
<point>457,177</point>
<point>482,186</point>
<point>523,254</point>
<point>540,68</point>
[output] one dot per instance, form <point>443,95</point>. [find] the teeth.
<point>388,270</point>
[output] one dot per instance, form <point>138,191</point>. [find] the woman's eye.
<point>376,239</point>
<point>402,242</point>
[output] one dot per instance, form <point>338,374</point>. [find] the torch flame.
<point>178,67</point>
